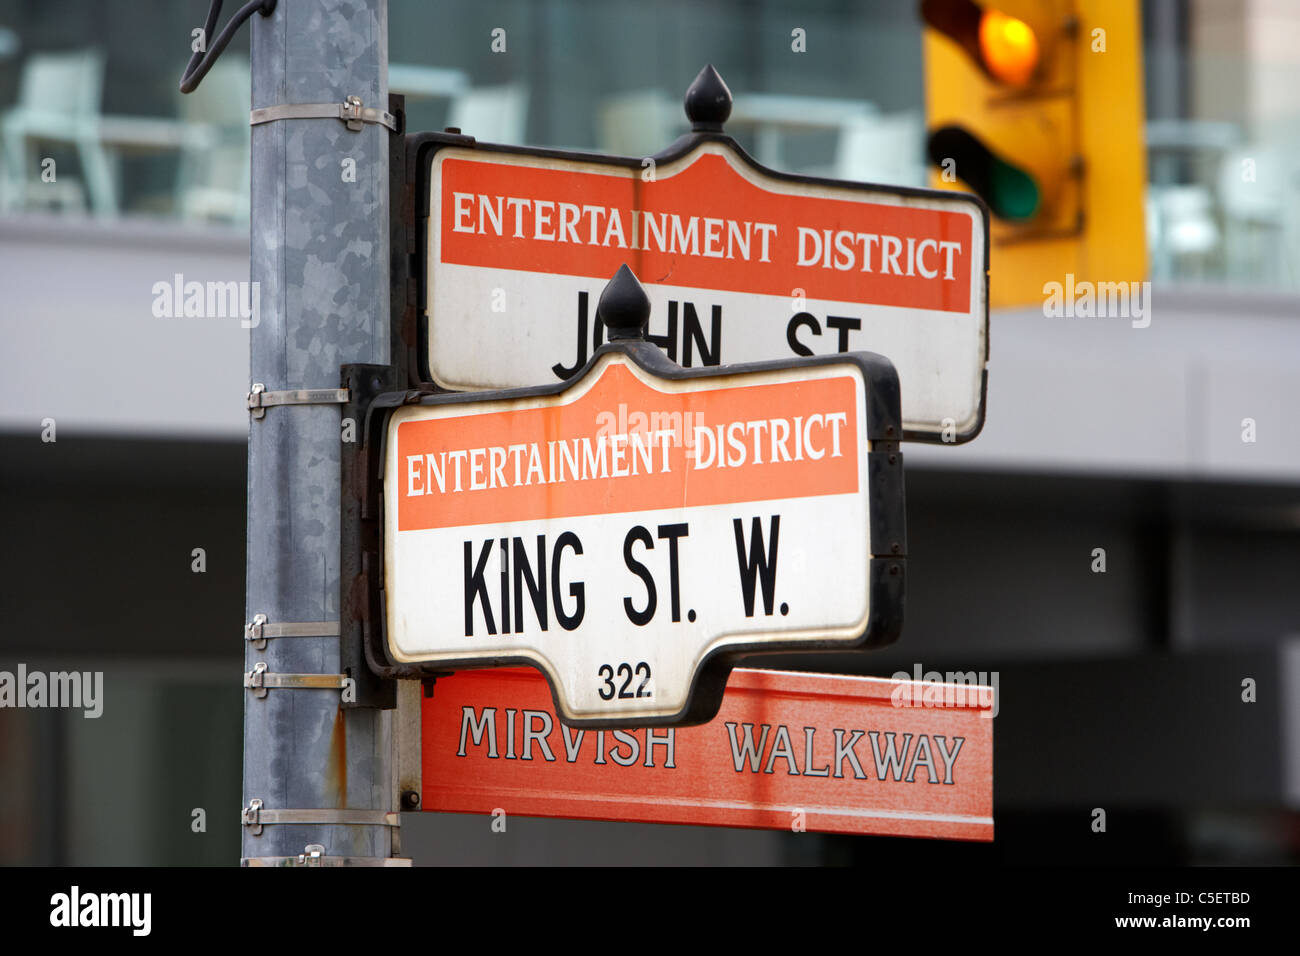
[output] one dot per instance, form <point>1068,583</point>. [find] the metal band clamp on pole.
<point>351,111</point>
<point>259,631</point>
<point>314,855</point>
<point>260,680</point>
<point>259,399</point>
<point>256,816</point>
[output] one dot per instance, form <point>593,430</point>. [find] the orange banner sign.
<point>787,751</point>
<point>676,449</point>
<point>684,230</point>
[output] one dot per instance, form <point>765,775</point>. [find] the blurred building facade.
<point>1121,689</point>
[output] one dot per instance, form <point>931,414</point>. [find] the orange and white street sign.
<point>787,751</point>
<point>632,532</point>
<point>741,264</point>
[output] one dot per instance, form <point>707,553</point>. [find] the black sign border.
<point>365,605</point>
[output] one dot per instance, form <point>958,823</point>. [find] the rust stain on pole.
<point>336,774</point>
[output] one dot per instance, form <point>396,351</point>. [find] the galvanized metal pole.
<point>320,260</point>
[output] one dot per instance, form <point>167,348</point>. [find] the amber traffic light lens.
<point>1008,47</point>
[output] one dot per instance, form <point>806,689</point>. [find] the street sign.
<point>634,530</point>
<point>787,751</point>
<point>741,264</point>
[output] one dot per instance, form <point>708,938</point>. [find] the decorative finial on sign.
<point>708,102</point>
<point>624,307</point>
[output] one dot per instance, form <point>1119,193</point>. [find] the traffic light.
<point>1036,106</point>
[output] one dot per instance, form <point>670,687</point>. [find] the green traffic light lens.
<point>1010,192</point>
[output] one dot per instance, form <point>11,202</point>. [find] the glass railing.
<point>1222,205</point>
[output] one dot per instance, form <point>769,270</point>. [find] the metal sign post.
<point>317,779</point>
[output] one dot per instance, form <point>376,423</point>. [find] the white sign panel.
<point>741,264</point>
<point>619,533</point>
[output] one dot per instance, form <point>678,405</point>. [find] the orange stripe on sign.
<point>830,754</point>
<point>626,447</point>
<point>703,228</point>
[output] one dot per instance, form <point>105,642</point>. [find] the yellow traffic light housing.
<point>1036,106</point>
